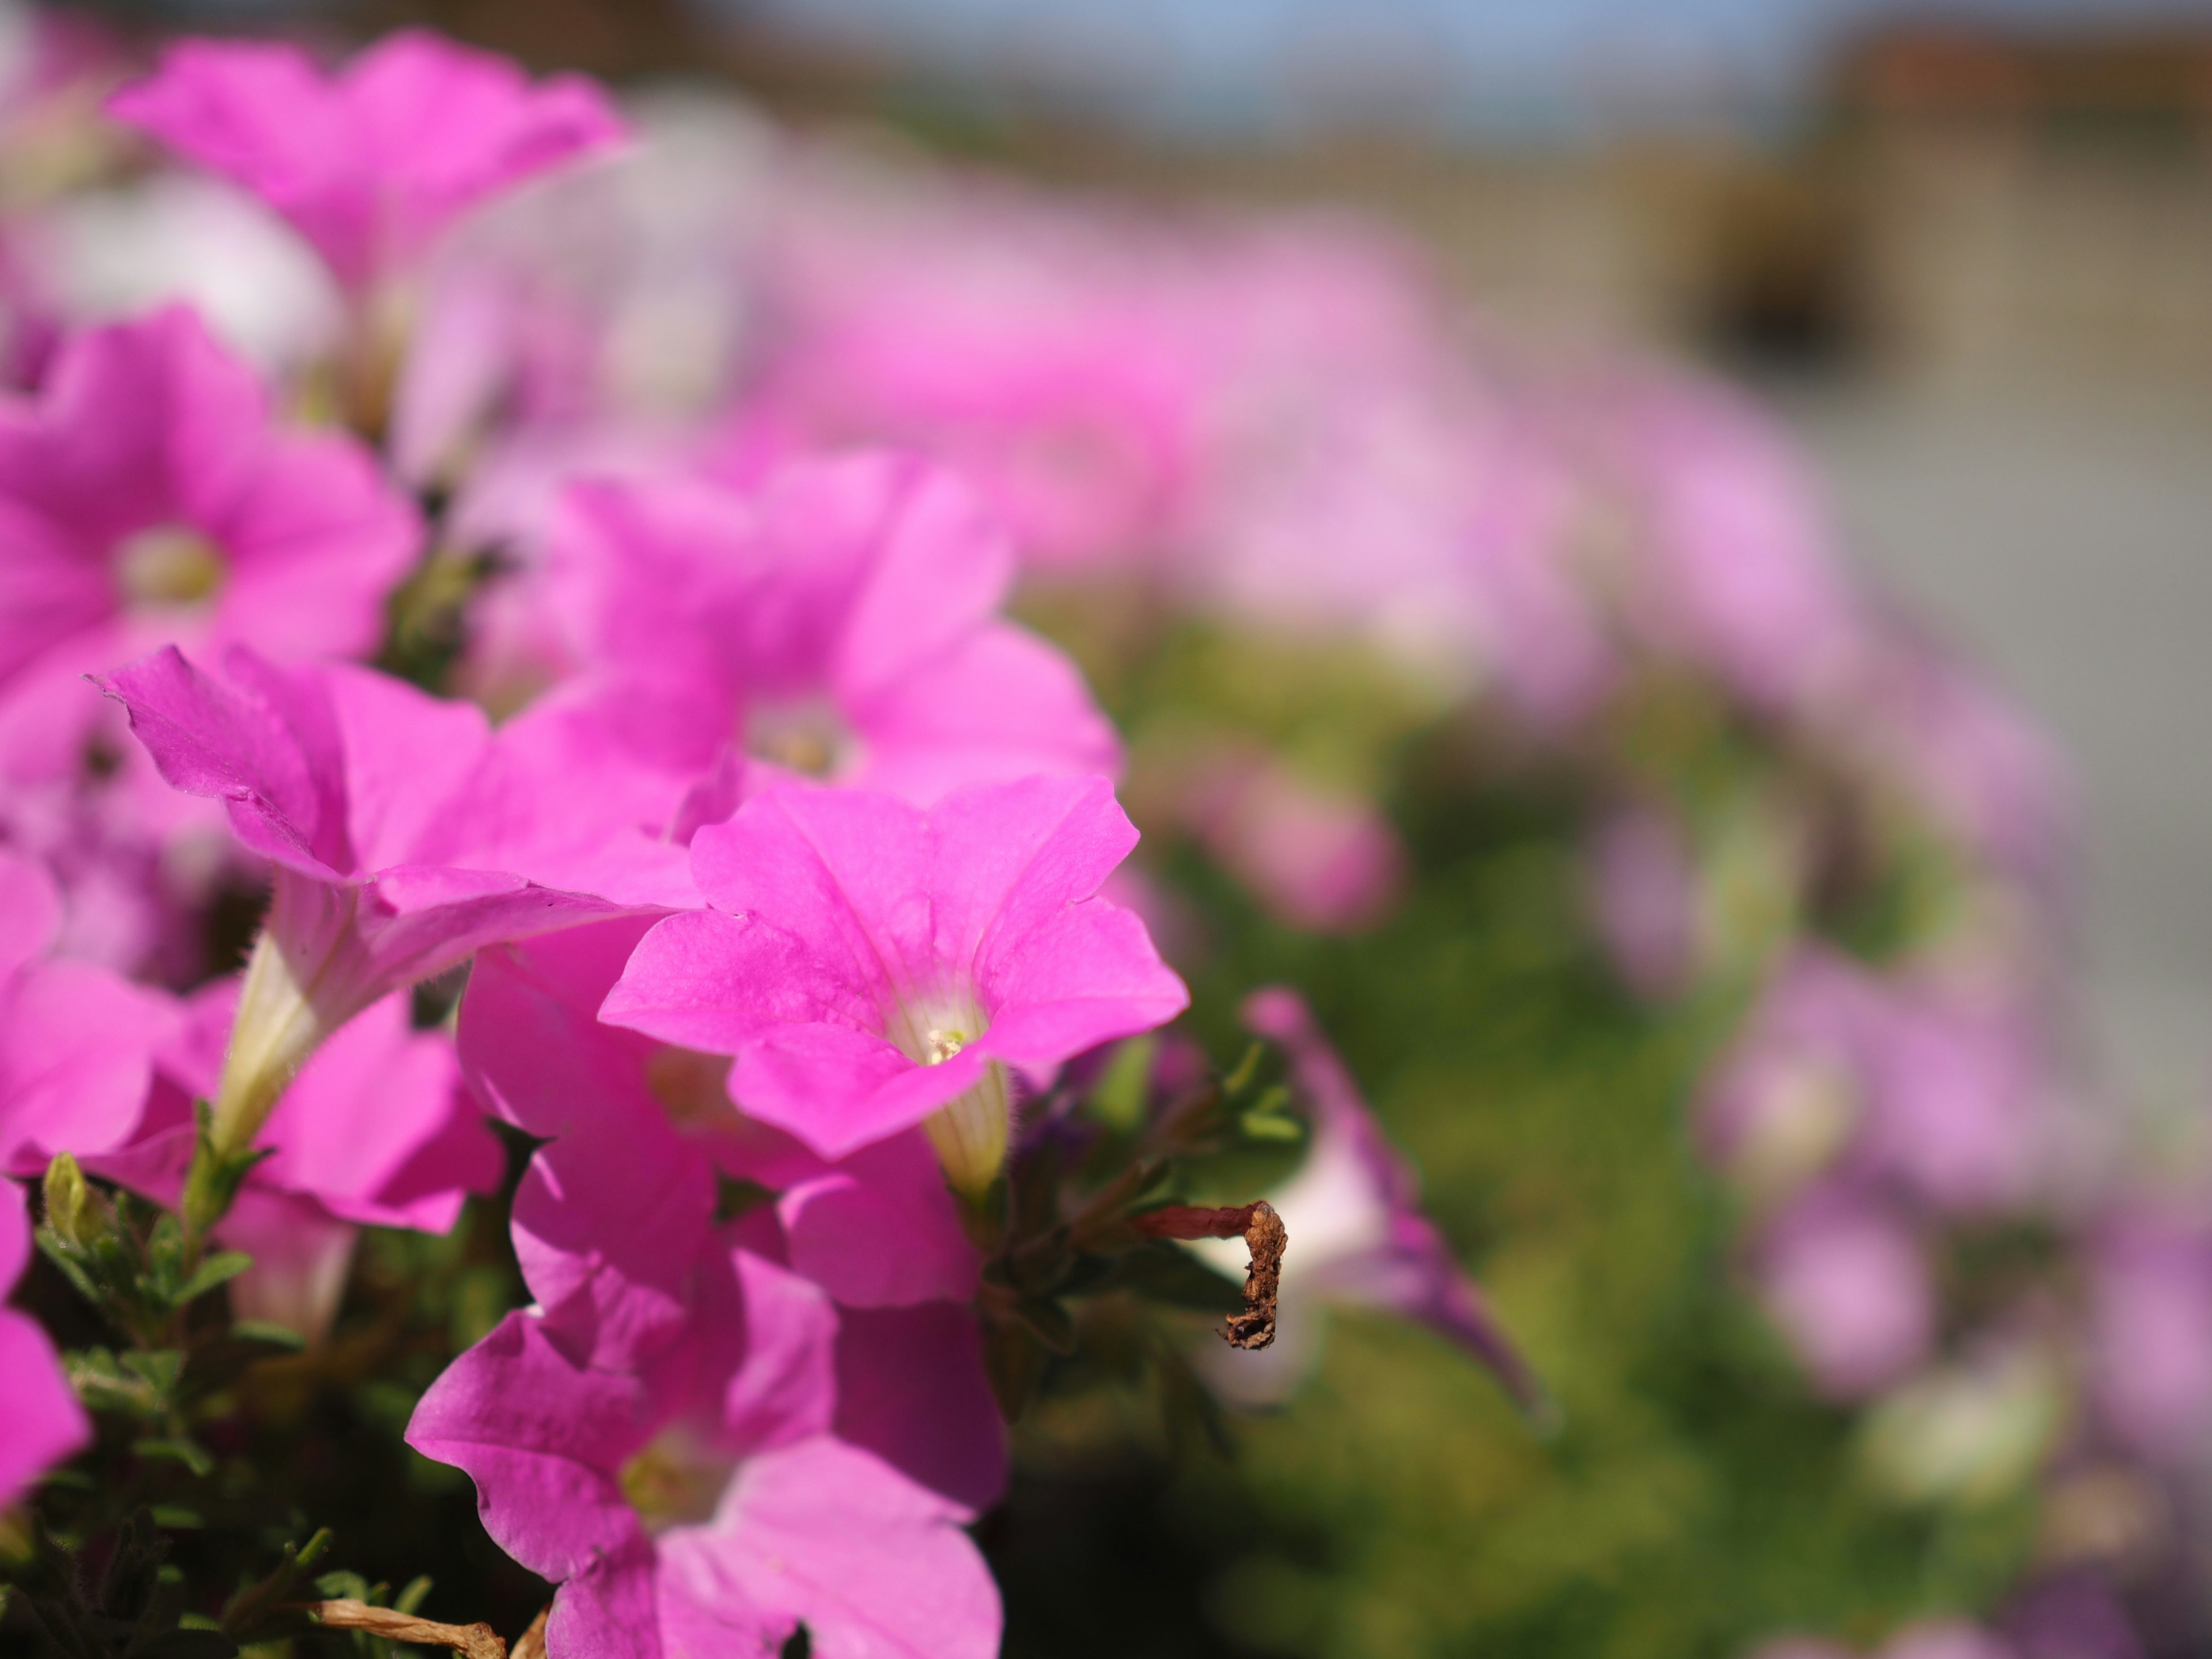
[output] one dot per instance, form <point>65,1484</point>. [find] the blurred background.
<point>1964,250</point>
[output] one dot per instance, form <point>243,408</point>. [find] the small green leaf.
<point>1123,1091</point>
<point>179,1519</point>
<point>218,1269</point>
<point>412,1598</point>
<point>193,1458</point>
<point>1241,1079</point>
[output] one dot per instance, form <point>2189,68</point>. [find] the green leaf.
<point>179,1519</point>
<point>1241,1079</point>
<point>1123,1091</point>
<point>156,1368</point>
<point>218,1269</point>
<point>193,1458</point>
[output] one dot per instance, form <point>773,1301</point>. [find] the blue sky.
<point>1505,65</point>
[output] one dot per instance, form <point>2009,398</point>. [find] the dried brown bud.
<point>1264,1235</point>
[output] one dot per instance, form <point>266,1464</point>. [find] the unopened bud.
<point>76,1212</point>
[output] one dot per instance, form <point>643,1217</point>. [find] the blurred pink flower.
<point>1360,1235</point>
<point>841,621</point>
<point>1734,568</point>
<point>1903,1079</point>
<point>148,498</point>
<point>43,1422</point>
<point>402,835</point>
<point>1329,862</point>
<point>699,1494</point>
<point>874,966</point>
<point>1847,1282</point>
<point>372,164</point>
<point>2151,1331</point>
<point>1032,348</point>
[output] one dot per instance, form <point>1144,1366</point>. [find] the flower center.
<point>940,1046</point>
<point>805,735</point>
<point>676,1480</point>
<point>168,564</point>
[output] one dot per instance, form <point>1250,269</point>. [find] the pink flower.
<point>842,620</point>
<point>43,1423</point>
<point>1359,1235</point>
<point>873,965</point>
<point>1738,572</point>
<point>1039,352</point>
<point>1849,1287</point>
<point>1320,860</point>
<point>372,164</point>
<point>1912,1081</point>
<point>711,1487</point>
<point>2151,1332</point>
<point>375,1130</point>
<point>876,1230</point>
<point>77,1042</point>
<point>147,497</point>
<point>402,835</point>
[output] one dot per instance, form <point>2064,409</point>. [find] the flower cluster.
<point>777,884</point>
<point>629,603</point>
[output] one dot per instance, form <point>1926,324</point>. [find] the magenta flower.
<point>1359,1235</point>
<point>43,1422</point>
<point>77,1042</point>
<point>375,1131</point>
<point>1738,572</point>
<point>1848,1282</point>
<point>872,965</point>
<point>1322,859</point>
<point>370,164</point>
<point>701,1492</point>
<point>876,1230</point>
<point>1919,1084</point>
<point>840,621</point>
<point>403,836</point>
<point>148,498</point>
<point>2151,1331</point>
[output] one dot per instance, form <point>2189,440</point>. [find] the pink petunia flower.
<point>77,1042</point>
<point>1324,859</point>
<point>873,965</point>
<point>1849,1284</point>
<point>840,620</point>
<point>1358,1234</point>
<point>875,1230</point>
<point>403,836</point>
<point>376,1130</point>
<point>147,497</point>
<point>2151,1331</point>
<point>40,1421</point>
<point>369,165</point>
<point>713,1486</point>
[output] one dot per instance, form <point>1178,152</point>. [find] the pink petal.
<point>997,705</point>
<point>542,1436</point>
<point>879,1229</point>
<point>873,1564</point>
<point>912,1389</point>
